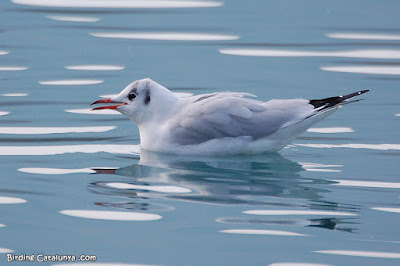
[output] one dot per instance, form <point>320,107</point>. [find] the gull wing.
<point>230,115</point>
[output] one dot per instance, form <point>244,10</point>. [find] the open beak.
<point>108,100</point>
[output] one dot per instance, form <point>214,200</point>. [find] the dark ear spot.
<point>147,97</point>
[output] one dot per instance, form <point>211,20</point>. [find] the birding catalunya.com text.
<point>11,257</point>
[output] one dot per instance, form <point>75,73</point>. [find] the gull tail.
<point>322,109</point>
<point>325,107</point>
<point>327,103</point>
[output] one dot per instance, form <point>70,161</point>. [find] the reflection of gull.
<point>219,180</point>
<point>260,181</point>
<point>216,123</point>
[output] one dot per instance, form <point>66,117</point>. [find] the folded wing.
<point>230,115</point>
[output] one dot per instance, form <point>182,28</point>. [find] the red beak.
<point>108,100</point>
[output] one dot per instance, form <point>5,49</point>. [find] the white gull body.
<point>216,123</point>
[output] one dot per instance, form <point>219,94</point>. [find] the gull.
<point>219,122</point>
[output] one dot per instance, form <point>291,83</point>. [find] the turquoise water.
<point>73,182</point>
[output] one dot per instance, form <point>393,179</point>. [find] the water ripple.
<point>55,171</point>
<point>53,130</point>
<point>298,212</point>
<point>335,224</point>
<point>14,94</point>
<point>62,149</point>
<point>364,36</point>
<point>376,54</point>
<point>35,139</point>
<point>358,253</point>
<point>74,18</point>
<point>323,170</point>
<point>166,36</point>
<point>89,111</point>
<point>6,250</point>
<point>112,215</point>
<point>162,189</point>
<point>330,130</point>
<point>118,3</point>
<point>298,264</point>
<point>317,167</point>
<point>396,210</point>
<point>136,205</point>
<point>10,200</point>
<point>2,52</point>
<point>13,68</point>
<point>357,183</point>
<point>376,70</point>
<point>96,67</point>
<point>72,82</point>
<point>381,147</point>
<point>261,232</point>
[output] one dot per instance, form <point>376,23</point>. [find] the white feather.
<point>216,123</point>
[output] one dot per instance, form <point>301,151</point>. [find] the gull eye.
<point>131,96</point>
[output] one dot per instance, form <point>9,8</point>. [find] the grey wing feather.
<point>221,115</point>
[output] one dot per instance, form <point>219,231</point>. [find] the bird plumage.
<point>223,122</point>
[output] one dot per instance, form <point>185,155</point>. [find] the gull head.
<point>141,101</point>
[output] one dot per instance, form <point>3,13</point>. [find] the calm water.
<point>73,182</point>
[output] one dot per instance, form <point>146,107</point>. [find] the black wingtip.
<point>332,101</point>
<point>354,94</point>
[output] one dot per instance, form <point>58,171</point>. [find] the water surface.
<point>76,182</point>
